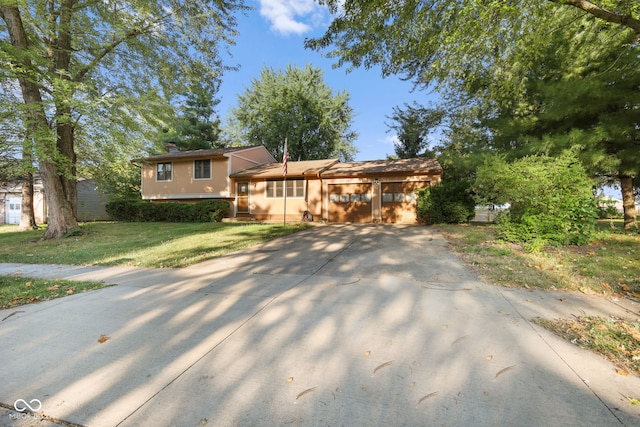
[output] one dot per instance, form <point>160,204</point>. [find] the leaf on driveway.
<point>309,390</point>
<point>502,371</point>
<point>390,362</point>
<point>622,372</point>
<point>103,338</point>
<point>633,401</point>
<point>423,398</point>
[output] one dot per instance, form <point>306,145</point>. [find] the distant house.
<point>11,202</point>
<point>251,180</point>
<point>91,204</point>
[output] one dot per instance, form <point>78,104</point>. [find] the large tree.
<point>81,63</point>
<point>296,105</point>
<point>575,96</point>
<point>467,49</point>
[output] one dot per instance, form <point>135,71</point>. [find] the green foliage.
<point>197,127</point>
<point>412,126</point>
<point>296,104</point>
<point>550,199</point>
<point>448,202</point>
<point>607,209</point>
<point>144,211</point>
<point>446,41</point>
<point>97,77</point>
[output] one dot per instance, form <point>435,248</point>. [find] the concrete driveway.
<point>336,325</point>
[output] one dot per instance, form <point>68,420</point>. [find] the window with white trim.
<point>295,188</point>
<point>163,171</point>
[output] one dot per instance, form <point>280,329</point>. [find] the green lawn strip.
<point>17,290</point>
<point>139,244</point>
<point>616,339</point>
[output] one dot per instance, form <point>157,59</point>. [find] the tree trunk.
<point>62,219</point>
<point>27,215</point>
<point>61,215</point>
<point>64,124</point>
<point>628,202</point>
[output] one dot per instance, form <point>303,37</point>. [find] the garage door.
<point>399,201</point>
<point>350,203</point>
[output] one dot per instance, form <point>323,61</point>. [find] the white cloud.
<point>292,16</point>
<point>392,140</point>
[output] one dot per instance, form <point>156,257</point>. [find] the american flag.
<point>285,159</point>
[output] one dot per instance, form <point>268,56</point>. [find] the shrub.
<point>551,200</point>
<point>607,209</point>
<point>449,202</point>
<point>145,211</point>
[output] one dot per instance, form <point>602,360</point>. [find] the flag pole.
<point>285,159</point>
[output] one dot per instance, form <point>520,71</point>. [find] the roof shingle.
<point>333,168</point>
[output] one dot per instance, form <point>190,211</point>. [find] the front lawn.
<point>611,264</point>
<point>138,244</point>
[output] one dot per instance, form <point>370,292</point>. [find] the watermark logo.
<point>26,409</point>
<point>21,405</point>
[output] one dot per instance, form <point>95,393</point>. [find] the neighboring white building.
<point>91,204</point>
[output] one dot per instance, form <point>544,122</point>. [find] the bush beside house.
<point>145,211</point>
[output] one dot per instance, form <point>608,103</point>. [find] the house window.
<point>163,171</point>
<point>295,188</point>
<point>202,169</point>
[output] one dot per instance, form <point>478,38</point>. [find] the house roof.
<point>333,168</point>
<point>297,169</point>
<point>194,154</point>
<point>377,167</point>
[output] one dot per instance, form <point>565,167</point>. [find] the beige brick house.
<point>251,180</point>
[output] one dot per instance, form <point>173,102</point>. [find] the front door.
<point>243,197</point>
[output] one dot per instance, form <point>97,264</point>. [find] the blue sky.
<point>273,35</point>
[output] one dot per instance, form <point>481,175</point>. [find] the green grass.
<point>138,244</point>
<point>611,264</point>
<point>16,291</point>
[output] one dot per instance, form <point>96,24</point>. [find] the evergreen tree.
<point>197,126</point>
<point>412,125</point>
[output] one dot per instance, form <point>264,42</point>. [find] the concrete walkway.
<point>336,325</point>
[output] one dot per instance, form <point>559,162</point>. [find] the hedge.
<point>145,211</point>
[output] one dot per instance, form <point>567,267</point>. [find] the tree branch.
<point>616,18</point>
<point>107,49</point>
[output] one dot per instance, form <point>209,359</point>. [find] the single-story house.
<point>251,180</point>
<point>91,203</point>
